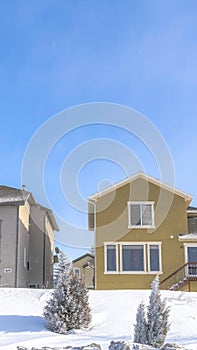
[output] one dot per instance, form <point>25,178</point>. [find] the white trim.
<point>77,269</point>
<point>144,254</point>
<point>160,259</point>
<point>105,257</point>
<point>141,175</point>
<point>187,245</point>
<point>129,203</point>
<point>188,237</point>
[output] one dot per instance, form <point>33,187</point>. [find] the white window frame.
<point>187,245</point>
<point>140,203</point>
<point>105,257</point>
<point>144,255</point>
<point>160,259</point>
<point>77,269</point>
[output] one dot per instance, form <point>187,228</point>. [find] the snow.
<point>188,236</point>
<point>113,316</point>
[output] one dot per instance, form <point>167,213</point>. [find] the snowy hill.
<point>113,315</point>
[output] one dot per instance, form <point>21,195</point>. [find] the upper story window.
<point>141,214</point>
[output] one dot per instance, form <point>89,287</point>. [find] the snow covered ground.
<point>113,315</point>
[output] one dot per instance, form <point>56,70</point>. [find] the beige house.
<point>83,267</point>
<point>26,240</point>
<point>144,227</point>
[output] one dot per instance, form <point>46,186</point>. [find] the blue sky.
<point>58,54</point>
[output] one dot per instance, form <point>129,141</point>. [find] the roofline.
<point>83,256</point>
<point>151,179</point>
<point>51,216</point>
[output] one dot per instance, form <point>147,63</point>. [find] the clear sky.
<point>58,54</point>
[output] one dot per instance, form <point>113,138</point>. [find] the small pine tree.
<point>157,317</point>
<point>140,326</point>
<point>63,311</point>
<point>152,329</point>
<point>80,295</point>
<point>59,267</point>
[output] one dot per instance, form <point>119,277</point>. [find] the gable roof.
<point>143,176</point>
<point>10,196</point>
<point>14,196</point>
<point>83,256</point>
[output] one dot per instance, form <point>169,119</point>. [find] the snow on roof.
<point>188,236</point>
<point>12,196</point>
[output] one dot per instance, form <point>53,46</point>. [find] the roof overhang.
<point>140,175</point>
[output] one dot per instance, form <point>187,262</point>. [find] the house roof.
<point>83,256</point>
<point>143,176</point>
<point>188,236</point>
<point>14,196</point>
<point>10,196</point>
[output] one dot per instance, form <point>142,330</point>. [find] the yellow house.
<point>144,227</point>
<point>83,266</point>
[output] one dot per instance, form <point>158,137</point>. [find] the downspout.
<point>16,255</point>
<point>94,205</point>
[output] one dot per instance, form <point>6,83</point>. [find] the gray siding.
<point>8,245</point>
<point>41,255</point>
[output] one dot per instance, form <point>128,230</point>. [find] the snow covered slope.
<point>113,315</point>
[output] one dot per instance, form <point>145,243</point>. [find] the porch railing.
<point>180,277</point>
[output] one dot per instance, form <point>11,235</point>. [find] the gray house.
<point>26,240</point>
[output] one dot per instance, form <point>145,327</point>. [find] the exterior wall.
<point>41,249</point>
<point>8,244</point>
<point>112,226</point>
<point>193,286</point>
<point>49,249</point>
<point>23,246</point>
<point>86,273</point>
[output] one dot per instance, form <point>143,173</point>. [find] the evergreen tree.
<point>64,311</point>
<point>59,267</point>
<point>79,292</point>
<point>140,326</point>
<point>152,329</point>
<point>157,317</point>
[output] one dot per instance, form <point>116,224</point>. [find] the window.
<point>77,272</point>
<point>111,257</point>
<point>141,214</point>
<point>133,258</point>
<point>191,258</point>
<point>154,257</point>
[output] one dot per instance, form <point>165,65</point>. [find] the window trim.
<point>144,255</point>
<point>187,245</point>
<point>105,257</point>
<point>148,255</point>
<point>77,269</point>
<point>129,203</point>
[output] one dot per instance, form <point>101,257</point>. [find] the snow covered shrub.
<point>157,317</point>
<point>151,328</point>
<point>68,307</point>
<point>119,345</point>
<point>140,327</point>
